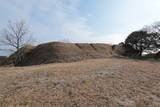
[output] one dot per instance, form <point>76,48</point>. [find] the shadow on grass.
<point>155,60</point>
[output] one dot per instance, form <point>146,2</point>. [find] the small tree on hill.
<point>15,36</point>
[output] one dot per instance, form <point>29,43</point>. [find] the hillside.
<point>98,82</point>
<point>2,59</point>
<point>54,52</point>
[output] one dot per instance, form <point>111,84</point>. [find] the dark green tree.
<point>143,41</point>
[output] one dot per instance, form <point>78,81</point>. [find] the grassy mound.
<point>65,52</point>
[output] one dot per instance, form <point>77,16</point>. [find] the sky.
<point>91,21</point>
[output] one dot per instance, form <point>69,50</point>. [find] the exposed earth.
<point>109,82</point>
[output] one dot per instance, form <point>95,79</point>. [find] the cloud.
<point>52,20</point>
<point>110,38</point>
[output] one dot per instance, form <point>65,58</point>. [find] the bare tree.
<point>15,36</point>
<point>156,27</point>
<point>153,28</point>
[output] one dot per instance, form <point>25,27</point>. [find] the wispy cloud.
<point>105,21</point>
<point>52,20</point>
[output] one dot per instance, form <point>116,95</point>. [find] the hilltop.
<point>54,52</point>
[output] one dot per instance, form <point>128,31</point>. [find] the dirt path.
<point>100,82</point>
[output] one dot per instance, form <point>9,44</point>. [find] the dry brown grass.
<point>54,52</point>
<point>100,82</point>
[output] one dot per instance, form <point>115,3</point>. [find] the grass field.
<point>112,82</point>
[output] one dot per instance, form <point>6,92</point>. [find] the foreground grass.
<point>101,82</point>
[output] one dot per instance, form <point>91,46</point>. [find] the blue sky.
<point>100,21</point>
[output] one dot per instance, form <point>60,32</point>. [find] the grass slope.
<point>109,82</point>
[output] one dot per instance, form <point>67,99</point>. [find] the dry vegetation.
<point>54,52</point>
<point>108,82</point>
